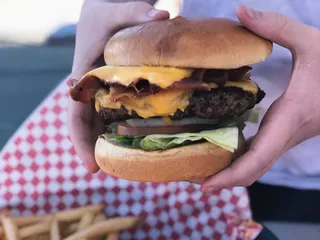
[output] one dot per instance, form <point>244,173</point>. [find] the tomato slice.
<point>128,130</point>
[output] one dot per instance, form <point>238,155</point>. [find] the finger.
<point>79,125</point>
<point>134,13</point>
<point>196,180</point>
<point>276,27</point>
<point>267,146</point>
<point>97,126</point>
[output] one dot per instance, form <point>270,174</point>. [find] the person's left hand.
<point>292,118</point>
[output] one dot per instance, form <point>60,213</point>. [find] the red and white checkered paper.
<point>40,173</point>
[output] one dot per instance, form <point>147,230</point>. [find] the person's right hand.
<point>99,20</point>
<point>292,118</point>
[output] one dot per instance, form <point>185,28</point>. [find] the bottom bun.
<point>177,164</point>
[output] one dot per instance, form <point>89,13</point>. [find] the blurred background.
<point>36,53</point>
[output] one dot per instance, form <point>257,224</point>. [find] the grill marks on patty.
<point>218,103</point>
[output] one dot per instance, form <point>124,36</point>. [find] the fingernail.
<point>153,12</point>
<point>253,14</point>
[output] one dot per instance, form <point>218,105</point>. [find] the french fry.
<point>35,229</point>
<point>99,218</point>
<point>36,226</point>
<point>54,231</point>
<point>66,215</point>
<point>39,237</point>
<point>66,228</point>
<point>10,228</point>
<point>113,236</point>
<point>72,228</point>
<point>85,221</point>
<point>75,214</point>
<point>105,227</point>
<point>29,220</point>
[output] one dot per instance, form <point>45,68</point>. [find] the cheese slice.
<point>162,104</point>
<point>248,85</point>
<point>161,76</point>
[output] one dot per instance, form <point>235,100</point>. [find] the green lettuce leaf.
<point>226,138</point>
<point>224,134</point>
<point>127,141</point>
<point>251,115</point>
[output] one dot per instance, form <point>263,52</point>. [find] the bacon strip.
<point>219,77</point>
<point>189,83</point>
<point>118,91</point>
<point>144,88</point>
<point>240,74</point>
<point>84,90</point>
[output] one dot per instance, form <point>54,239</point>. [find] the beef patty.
<point>218,103</point>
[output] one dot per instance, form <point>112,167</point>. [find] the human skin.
<point>295,116</point>
<point>99,20</point>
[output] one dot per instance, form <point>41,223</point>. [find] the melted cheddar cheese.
<point>248,86</point>
<point>162,104</point>
<point>161,76</point>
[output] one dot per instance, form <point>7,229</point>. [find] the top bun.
<point>187,43</point>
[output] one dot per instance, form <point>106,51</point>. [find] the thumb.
<point>276,27</point>
<point>133,13</point>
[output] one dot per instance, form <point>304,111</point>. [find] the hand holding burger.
<point>99,20</point>
<point>295,116</point>
<point>174,96</point>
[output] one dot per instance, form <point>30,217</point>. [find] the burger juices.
<point>174,96</point>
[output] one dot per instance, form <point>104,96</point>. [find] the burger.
<point>174,96</point>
